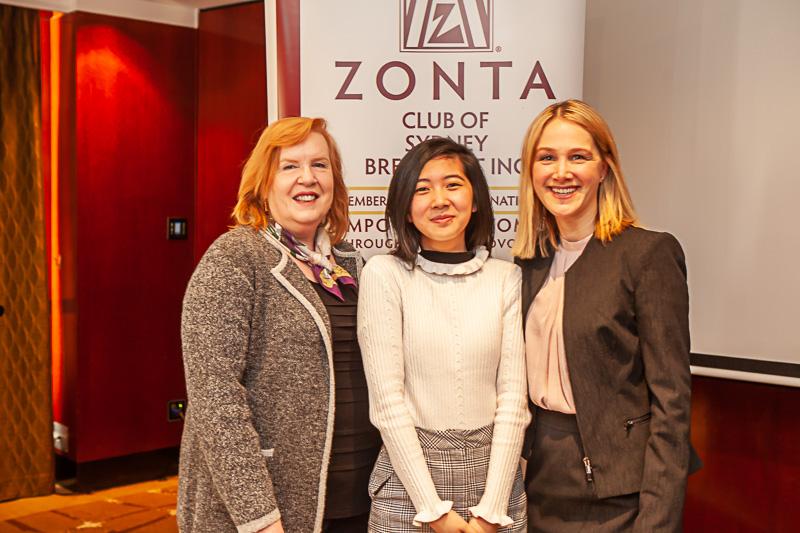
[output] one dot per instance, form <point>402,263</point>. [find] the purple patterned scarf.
<point>329,275</point>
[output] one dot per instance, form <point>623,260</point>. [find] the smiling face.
<point>442,205</point>
<point>567,171</point>
<point>302,188</point>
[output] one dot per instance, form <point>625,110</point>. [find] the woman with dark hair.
<point>606,311</point>
<point>440,330</point>
<point>277,436</point>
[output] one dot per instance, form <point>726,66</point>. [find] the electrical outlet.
<point>176,409</point>
<point>60,437</point>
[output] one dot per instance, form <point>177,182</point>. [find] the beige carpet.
<point>143,507</point>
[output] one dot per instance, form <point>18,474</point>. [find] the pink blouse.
<point>548,375</point>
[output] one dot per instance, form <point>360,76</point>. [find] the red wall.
<point>65,400</point>
<point>288,41</point>
<point>748,436</point>
<point>132,115</point>
<point>137,145</point>
<point>231,110</point>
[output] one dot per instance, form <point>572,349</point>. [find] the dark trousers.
<point>560,499</point>
<point>353,524</point>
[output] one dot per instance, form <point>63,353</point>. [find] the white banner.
<point>390,74</point>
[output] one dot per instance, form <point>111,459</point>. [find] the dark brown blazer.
<point>626,336</point>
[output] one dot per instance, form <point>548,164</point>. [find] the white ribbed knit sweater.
<point>442,347</point>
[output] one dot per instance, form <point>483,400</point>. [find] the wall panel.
<point>231,111</point>
<point>748,437</point>
<point>130,166</point>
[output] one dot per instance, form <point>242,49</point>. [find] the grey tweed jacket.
<point>259,375</point>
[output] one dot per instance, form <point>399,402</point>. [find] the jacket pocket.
<point>630,422</point>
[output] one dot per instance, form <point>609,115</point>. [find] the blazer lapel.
<point>293,279</point>
<point>534,273</point>
<point>581,268</point>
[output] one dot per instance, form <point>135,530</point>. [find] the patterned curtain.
<point>26,450</point>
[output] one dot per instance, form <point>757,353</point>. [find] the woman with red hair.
<point>277,435</point>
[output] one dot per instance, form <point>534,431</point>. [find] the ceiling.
<point>196,4</point>
<point>176,12</point>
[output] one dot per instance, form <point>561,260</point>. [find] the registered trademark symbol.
<point>498,49</point>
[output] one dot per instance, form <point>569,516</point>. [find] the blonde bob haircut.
<point>537,229</point>
<point>260,168</point>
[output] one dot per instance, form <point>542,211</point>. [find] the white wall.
<point>703,98</point>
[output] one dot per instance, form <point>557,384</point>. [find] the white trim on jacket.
<point>277,271</point>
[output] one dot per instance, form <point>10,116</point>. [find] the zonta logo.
<point>442,26</point>
<point>437,25</point>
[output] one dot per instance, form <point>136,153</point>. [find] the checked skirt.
<point>458,461</point>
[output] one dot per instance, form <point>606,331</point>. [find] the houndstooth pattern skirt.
<point>458,461</point>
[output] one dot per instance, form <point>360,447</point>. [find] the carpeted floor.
<point>144,507</point>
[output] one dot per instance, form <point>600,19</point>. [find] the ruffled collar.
<point>458,269</point>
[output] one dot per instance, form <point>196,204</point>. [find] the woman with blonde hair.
<point>277,435</point>
<point>605,309</point>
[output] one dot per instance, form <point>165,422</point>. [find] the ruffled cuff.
<point>480,511</point>
<point>425,516</point>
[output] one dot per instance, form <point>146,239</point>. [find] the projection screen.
<point>702,97</point>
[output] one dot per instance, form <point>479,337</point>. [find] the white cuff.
<point>425,516</point>
<point>501,520</point>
